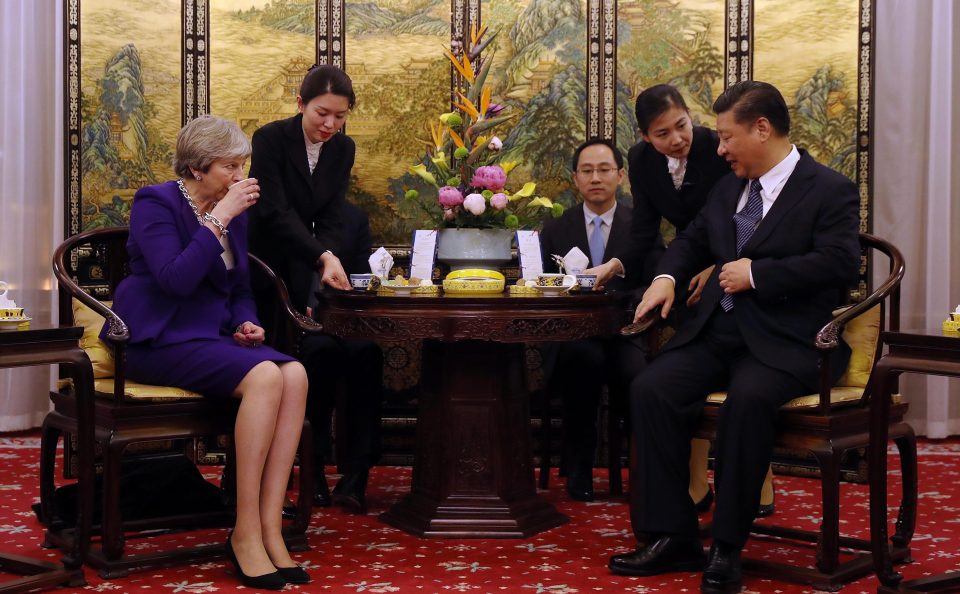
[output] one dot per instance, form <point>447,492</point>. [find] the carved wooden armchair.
<point>836,420</point>
<point>128,414</point>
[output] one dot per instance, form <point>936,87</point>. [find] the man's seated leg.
<point>666,402</point>
<point>578,375</point>
<point>358,421</point>
<point>745,435</point>
<point>324,358</point>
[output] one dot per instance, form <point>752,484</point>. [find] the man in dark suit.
<point>782,231</point>
<point>578,369</point>
<point>359,365</point>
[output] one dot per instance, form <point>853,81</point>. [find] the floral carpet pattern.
<point>360,554</point>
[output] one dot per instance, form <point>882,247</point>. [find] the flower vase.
<point>474,248</point>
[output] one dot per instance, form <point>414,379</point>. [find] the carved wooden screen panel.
<point>826,85</point>
<point>394,55</point>
<point>680,43</point>
<point>259,53</point>
<point>123,104</point>
<point>568,69</point>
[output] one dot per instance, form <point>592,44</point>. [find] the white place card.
<point>423,253</point>
<point>531,259</point>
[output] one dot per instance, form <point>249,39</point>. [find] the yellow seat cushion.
<point>838,395</point>
<point>101,356</point>
<point>145,392</point>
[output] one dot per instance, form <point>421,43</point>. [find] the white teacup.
<point>360,281</point>
<point>587,281</point>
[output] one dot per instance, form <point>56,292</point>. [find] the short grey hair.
<point>206,139</point>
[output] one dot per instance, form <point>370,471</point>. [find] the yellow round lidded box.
<point>474,281</point>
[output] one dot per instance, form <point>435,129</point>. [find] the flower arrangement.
<point>467,180</point>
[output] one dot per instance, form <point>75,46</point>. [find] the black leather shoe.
<point>321,491</point>
<point>767,509</point>
<point>580,485</point>
<point>663,555</point>
<point>722,575</point>
<point>350,492</point>
<point>267,581</point>
<point>294,575</point>
<point>703,506</point>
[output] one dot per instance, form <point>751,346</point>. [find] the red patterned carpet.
<point>359,554</point>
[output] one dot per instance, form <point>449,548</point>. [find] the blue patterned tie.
<point>596,242</point>
<point>746,221</point>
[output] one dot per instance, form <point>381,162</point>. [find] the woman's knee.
<point>294,379</point>
<point>265,379</point>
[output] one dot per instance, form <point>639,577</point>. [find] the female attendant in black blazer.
<point>671,173</point>
<point>303,165</point>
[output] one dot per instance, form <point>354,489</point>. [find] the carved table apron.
<point>473,470</point>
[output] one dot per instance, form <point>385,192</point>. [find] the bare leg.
<point>766,492</point>
<point>280,460</point>
<point>699,451</point>
<point>260,392</point>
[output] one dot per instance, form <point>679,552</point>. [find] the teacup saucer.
<point>552,291</point>
<point>400,289</point>
<point>12,323</point>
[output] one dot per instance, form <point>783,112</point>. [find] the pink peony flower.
<point>450,197</point>
<point>489,177</point>
<point>499,201</point>
<point>475,204</point>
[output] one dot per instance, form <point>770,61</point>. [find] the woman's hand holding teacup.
<point>239,197</point>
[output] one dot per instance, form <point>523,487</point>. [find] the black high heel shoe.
<point>267,581</point>
<point>294,575</point>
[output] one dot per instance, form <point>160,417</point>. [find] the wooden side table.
<point>46,345</point>
<point>473,471</point>
<point>926,352</point>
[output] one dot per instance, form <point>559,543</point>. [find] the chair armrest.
<point>303,323</point>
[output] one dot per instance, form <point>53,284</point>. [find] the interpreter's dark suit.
<point>578,369</point>
<point>655,197</point>
<point>805,252</point>
<point>301,208</point>
<point>299,216</point>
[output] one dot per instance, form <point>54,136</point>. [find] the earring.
<point>198,178</point>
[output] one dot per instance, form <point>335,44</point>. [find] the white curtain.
<point>917,178</point>
<point>31,207</point>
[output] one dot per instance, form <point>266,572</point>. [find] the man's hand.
<point>605,272</point>
<point>660,292</point>
<point>697,284</point>
<point>333,274</point>
<point>735,276</point>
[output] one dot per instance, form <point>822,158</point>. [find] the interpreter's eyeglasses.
<point>601,171</point>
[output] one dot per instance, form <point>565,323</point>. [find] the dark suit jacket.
<point>560,235</point>
<point>297,217</point>
<point>178,281</point>
<point>805,254</point>
<point>355,241</point>
<point>654,196</point>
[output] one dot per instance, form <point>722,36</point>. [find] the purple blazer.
<point>179,288</point>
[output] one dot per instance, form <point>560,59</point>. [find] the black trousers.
<point>578,370</point>
<point>666,403</point>
<point>358,364</point>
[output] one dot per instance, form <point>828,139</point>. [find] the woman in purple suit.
<point>193,324</point>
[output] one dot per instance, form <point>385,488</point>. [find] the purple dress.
<point>181,303</point>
